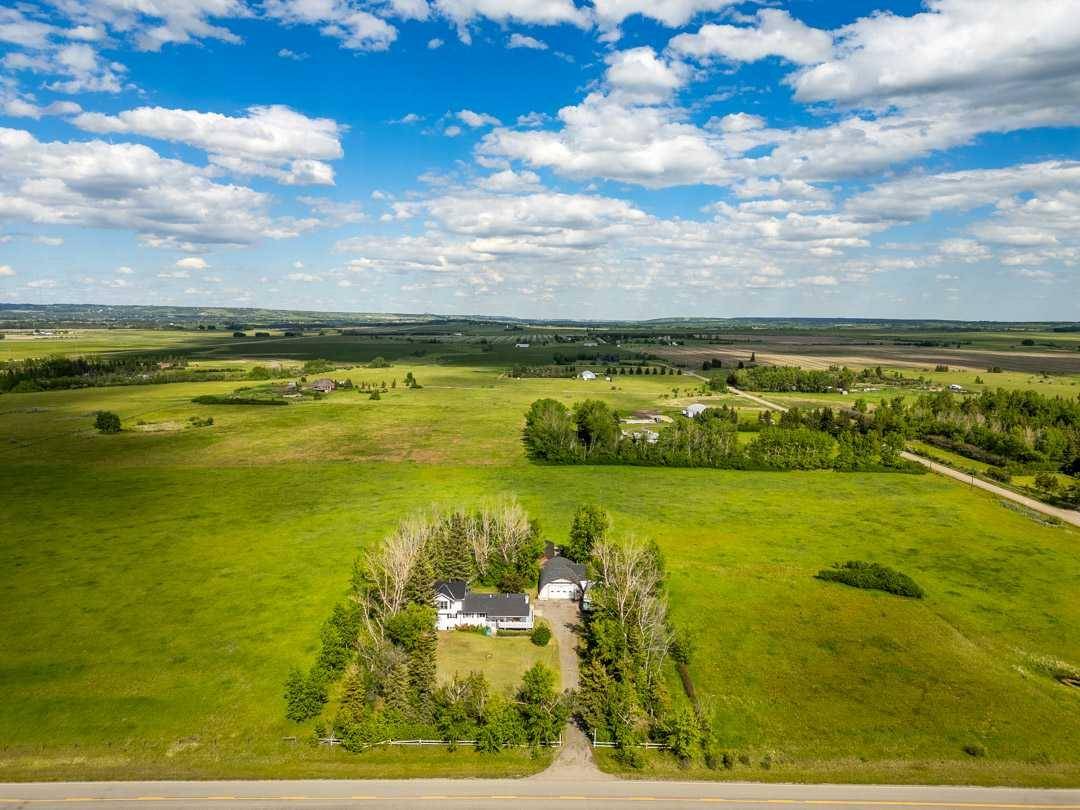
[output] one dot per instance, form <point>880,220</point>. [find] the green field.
<point>159,584</point>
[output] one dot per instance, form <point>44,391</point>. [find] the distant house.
<point>457,606</point>
<point>694,410</point>
<point>562,579</point>
<point>323,386</point>
<point>521,345</point>
<point>587,375</point>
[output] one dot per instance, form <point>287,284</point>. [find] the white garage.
<point>562,579</point>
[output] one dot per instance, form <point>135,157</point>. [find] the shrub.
<point>318,366</point>
<point>998,474</point>
<point>1046,481</point>
<point>872,576</point>
<point>682,646</point>
<point>975,750</point>
<point>541,635</point>
<point>379,362</point>
<point>216,399</point>
<point>304,697</point>
<point>107,422</point>
<point>375,395</point>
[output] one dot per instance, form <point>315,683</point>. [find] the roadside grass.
<point>159,585</point>
<point>501,659</point>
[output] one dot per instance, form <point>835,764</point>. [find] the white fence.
<point>648,746</point>
<point>331,740</point>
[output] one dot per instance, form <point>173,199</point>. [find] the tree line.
<point>590,433</point>
<point>58,372</point>
<point>382,640</point>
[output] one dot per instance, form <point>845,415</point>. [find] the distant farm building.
<point>521,345</point>
<point>323,386</point>
<point>694,410</point>
<point>587,375</point>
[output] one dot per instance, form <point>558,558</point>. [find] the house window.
<point>442,604</point>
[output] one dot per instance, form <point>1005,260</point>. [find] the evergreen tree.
<point>422,672</point>
<point>420,589</point>
<point>452,553</point>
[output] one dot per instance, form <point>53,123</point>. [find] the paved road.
<point>465,794</point>
<point>1067,515</point>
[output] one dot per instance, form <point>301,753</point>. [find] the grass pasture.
<point>159,584</point>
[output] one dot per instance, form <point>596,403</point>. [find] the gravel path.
<point>574,762</point>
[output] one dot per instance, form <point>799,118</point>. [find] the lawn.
<point>502,659</point>
<point>159,585</point>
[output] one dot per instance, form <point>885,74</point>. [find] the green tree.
<point>420,588</point>
<point>549,432</point>
<point>304,696</point>
<point>407,627</point>
<point>597,428</point>
<point>542,711</point>
<point>589,527</point>
<point>422,670</point>
<point>107,422</point>
<point>682,733</point>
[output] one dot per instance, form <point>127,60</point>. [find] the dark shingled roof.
<point>453,588</point>
<point>496,604</point>
<point>561,568</point>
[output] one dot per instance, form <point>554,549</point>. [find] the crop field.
<point>159,583</point>
<point>821,355</point>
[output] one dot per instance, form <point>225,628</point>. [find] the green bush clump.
<point>107,422</point>
<point>541,635</point>
<point>215,399</point>
<point>872,576</point>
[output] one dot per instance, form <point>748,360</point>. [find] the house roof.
<point>453,588</point>
<point>496,604</point>
<point>560,568</point>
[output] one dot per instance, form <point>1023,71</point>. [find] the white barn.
<point>587,375</point>
<point>563,579</point>
<point>694,410</point>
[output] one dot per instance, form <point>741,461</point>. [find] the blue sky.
<point>547,158</point>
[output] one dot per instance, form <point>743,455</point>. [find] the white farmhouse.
<point>587,375</point>
<point>457,606</point>
<point>561,578</point>
<point>694,410</point>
